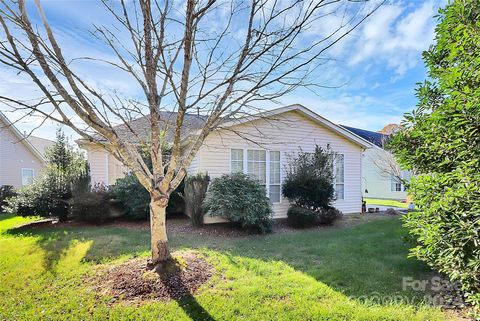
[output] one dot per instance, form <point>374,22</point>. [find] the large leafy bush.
<point>51,191</point>
<point>309,185</point>
<point>92,206</point>
<point>240,199</point>
<point>440,141</point>
<point>135,200</point>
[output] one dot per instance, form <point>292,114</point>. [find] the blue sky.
<point>375,68</point>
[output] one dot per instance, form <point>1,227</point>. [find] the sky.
<point>373,74</point>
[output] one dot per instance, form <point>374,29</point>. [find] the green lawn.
<point>393,203</point>
<point>305,275</point>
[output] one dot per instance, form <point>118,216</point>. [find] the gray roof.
<point>141,126</point>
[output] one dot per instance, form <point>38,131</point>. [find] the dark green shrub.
<point>194,193</point>
<point>92,206</point>
<point>301,217</point>
<point>309,179</point>
<point>50,193</point>
<point>39,199</point>
<point>6,191</point>
<point>440,142</point>
<point>329,215</point>
<point>135,200</point>
<point>240,199</point>
<point>309,185</point>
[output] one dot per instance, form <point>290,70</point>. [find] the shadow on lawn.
<point>365,260</point>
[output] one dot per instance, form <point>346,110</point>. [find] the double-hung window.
<point>339,162</point>
<point>27,176</point>
<point>261,165</point>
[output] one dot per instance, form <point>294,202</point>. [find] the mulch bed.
<point>180,224</point>
<point>132,282</point>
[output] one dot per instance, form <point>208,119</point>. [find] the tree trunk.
<point>158,231</point>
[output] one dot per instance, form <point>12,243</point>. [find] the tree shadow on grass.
<point>178,291</point>
<point>366,260</point>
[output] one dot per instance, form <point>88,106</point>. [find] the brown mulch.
<point>180,224</point>
<point>132,282</point>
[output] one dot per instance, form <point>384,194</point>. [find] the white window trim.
<point>27,169</point>
<point>267,167</point>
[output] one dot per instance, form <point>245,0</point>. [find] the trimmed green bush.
<point>309,179</point>
<point>93,206</point>
<point>135,200</point>
<point>329,215</point>
<point>301,217</point>
<point>133,197</point>
<point>242,200</point>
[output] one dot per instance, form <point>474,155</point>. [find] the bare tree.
<point>218,59</point>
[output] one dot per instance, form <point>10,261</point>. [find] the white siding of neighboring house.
<point>14,156</point>
<point>376,180</point>
<point>287,133</point>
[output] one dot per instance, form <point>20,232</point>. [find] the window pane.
<point>237,160</point>
<point>274,193</point>
<point>256,165</point>
<point>340,191</point>
<point>339,169</point>
<point>274,167</point>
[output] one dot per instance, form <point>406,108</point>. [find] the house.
<point>260,145</point>
<point>382,177</point>
<point>21,157</point>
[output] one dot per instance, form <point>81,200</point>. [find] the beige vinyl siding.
<point>14,156</point>
<point>193,168</point>
<point>286,133</point>
<point>98,161</point>
<point>116,169</point>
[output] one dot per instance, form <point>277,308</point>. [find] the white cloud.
<point>396,35</point>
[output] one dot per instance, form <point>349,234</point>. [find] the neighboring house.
<point>260,146</point>
<point>21,158</point>
<point>382,176</point>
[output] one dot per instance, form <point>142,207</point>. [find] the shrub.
<point>440,142</point>
<point>309,185</point>
<point>240,199</point>
<point>135,200</point>
<point>301,217</point>
<point>309,179</point>
<point>50,193</point>
<point>194,194</point>
<point>92,206</point>
<point>329,215</point>
<point>39,199</point>
<point>6,191</point>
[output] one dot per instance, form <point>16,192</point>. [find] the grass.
<point>393,203</point>
<point>305,275</point>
